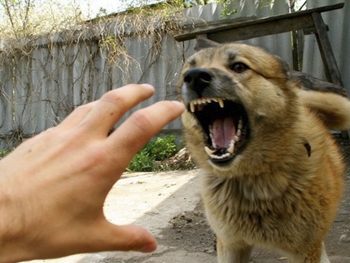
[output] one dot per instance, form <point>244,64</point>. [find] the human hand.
<point>53,186</point>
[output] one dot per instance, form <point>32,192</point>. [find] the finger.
<point>140,127</point>
<point>108,237</point>
<point>112,105</point>
<point>77,115</point>
<point>101,236</point>
<point>131,237</point>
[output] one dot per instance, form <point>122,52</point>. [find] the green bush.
<point>162,148</point>
<point>158,150</point>
<point>141,162</point>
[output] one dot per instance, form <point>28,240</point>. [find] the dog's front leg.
<point>324,257</point>
<point>238,252</point>
<point>316,254</point>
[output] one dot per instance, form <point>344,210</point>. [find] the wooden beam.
<point>330,64</point>
<point>190,31</point>
<point>331,68</point>
<point>271,27</point>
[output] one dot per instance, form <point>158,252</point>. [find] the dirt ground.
<point>189,230</point>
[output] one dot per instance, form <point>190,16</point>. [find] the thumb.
<point>129,237</point>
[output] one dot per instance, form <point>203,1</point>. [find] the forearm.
<point>12,241</point>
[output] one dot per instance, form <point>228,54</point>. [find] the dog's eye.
<point>239,67</point>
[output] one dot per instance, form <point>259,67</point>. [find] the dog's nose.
<point>198,79</point>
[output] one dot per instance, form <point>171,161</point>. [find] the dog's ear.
<point>309,82</point>
<point>333,109</point>
<point>203,42</point>
<point>284,66</point>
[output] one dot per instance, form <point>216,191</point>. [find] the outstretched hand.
<point>53,186</point>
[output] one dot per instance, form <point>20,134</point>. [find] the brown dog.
<point>272,173</point>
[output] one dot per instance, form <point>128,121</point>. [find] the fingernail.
<point>148,248</point>
<point>178,104</point>
<point>149,86</point>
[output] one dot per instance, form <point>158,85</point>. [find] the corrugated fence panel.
<point>24,94</point>
<point>6,103</point>
<point>156,60</point>
<point>81,66</point>
<point>168,66</point>
<point>41,81</point>
<point>63,61</point>
<point>101,80</point>
<point>39,88</point>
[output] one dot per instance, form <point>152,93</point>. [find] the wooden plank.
<point>331,68</point>
<point>253,28</point>
<point>330,64</point>
<point>190,32</point>
<point>270,27</point>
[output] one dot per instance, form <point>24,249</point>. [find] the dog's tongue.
<point>223,132</point>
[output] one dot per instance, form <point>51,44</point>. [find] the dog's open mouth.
<point>225,124</point>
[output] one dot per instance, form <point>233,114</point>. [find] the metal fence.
<point>39,87</point>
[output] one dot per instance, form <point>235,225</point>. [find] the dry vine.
<point>36,70</point>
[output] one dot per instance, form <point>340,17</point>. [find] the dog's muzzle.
<point>224,122</point>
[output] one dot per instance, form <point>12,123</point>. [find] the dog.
<point>271,172</point>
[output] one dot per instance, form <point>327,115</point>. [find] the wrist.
<point>12,238</point>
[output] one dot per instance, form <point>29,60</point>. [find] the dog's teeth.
<point>219,157</point>
<point>237,137</point>
<point>209,151</point>
<point>221,102</point>
<point>240,124</point>
<point>231,147</point>
<point>211,136</point>
<point>192,106</point>
<point>225,155</point>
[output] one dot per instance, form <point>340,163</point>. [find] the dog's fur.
<point>282,185</point>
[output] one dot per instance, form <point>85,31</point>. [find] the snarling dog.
<point>272,174</point>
